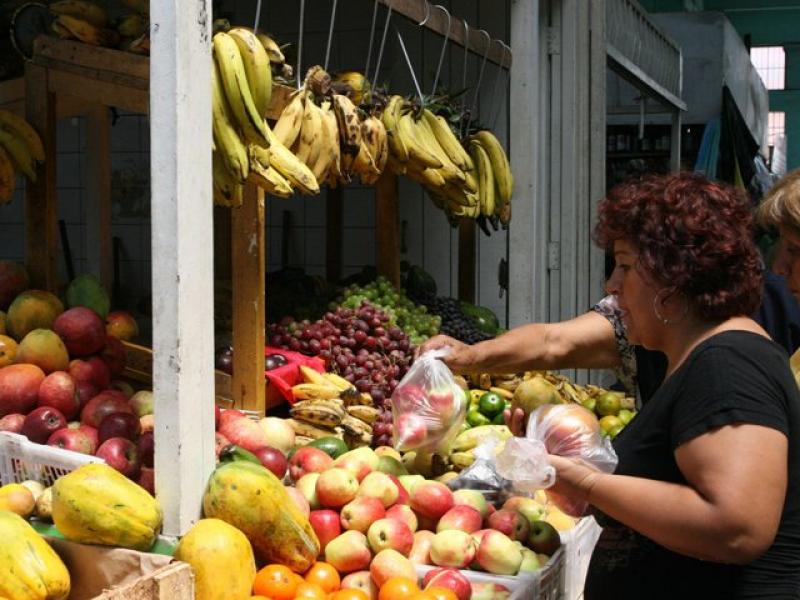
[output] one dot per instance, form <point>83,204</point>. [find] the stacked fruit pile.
<point>20,150</point>
<point>413,319</point>
<point>423,147</point>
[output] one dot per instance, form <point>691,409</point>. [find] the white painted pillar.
<point>182,248</point>
<point>528,280</point>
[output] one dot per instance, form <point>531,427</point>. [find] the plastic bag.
<point>562,429</point>
<point>482,474</point>
<point>428,407</point>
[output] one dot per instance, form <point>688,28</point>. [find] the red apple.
<point>443,403</point>
<point>408,398</point>
<point>243,432</point>
<point>92,369</point>
<point>59,391</point>
<point>41,423</point>
<point>336,487</point>
<point>461,517</point>
<point>308,460</point>
<point>86,391</point>
<point>12,423</point>
<point>421,550</point>
<point>229,415</point>
<point>146,447</point>
<point>101,406</point>
<point>273,459</point>
<point>402,494</point>
<point>122,455</point>
<point>391,534</point>
<point>220,441</point>
<point>432,499</point>
<point>451,579</point>
<point>19,388</point>
<point>361,512</point>
<point>72,439</point>
<point>147,479</point>
<point>403,512</point>
<point>91,433</point>
<point>121,424</point>
<point>81,329</point>
<point>121,325</point>
<point>326,525</point>
<point>410,431</point>
<point>115,355</point>
<point>510,522</point>
<point>573,429</point>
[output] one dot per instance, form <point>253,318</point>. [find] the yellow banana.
<point>232,151</point>
<point>227,192</point>
<point>267,177</point>
<point>19,153</point>
<point>308,146</point>
<point>364,164</point>
<point>8,179</point>
<point>430,178</point>
<point>256,67</point>
<point>374,137</point>
<point>448,141</point>
<point>84,31</point>
<point>469,439</point>
<point>500,165</point>
<point>314,391</point>
<point>132,26</point>
<point>287,127</point>
<point>448,169</point>
<point>61,31</point>
<point>340,383</point>
<point>271,46</point>
<point>408,130</point>
<point>329,144</point>
<point>357,85</point>
<point>335,166</point>
<point>367,414</point>
<point>349,122</point>
<point>486,188</point>
<point>390,118</point>
<point>462,460</point>
<point>80,9</point>
<point>23,130</point>
<point>288,165</point>
<point>313,376</point>
<point>237,90</point>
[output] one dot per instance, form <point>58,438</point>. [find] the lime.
<point>625,415</point>
<point>614,431</point>
<point>499,419</point>
<point>475,418</point>
<point>589,403</point>
<point>491,404</point>
<point>608,403</point>
<point>332,446</point>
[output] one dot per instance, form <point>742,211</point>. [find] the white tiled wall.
<point>429,240</point>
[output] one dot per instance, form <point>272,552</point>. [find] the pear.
<point>533,393</point>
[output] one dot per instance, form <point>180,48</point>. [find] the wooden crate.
<point>171,582</point>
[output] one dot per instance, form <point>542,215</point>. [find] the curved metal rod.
<point>300,41</point>
<point>383,42</point>
<point>466,54</point>
<point>480,73</point>
<point>258,17</point>
<point>444,46</point>
<point>496,89</point>
<point>427,14</point>
<point>330,34</point>
<point>371,37</point>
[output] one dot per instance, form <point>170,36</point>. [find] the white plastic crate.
<point>578,544</point>
<point>21,459</point>
<point>545,584</point>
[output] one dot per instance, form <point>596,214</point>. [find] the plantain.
<point>272,48</point>
<point>355,426</point>
<point>19,153</point>
<point>267,177</point>
<point>311,431</point>
<point>288,165</point>
<point>81,9</point>
<point>20,128</point>
<point>287,127</point>
<point>368,414</point>
<point>85,31</point>
<point>314,391</point>
<point>323,413</point>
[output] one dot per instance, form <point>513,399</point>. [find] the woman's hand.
<point>515,420</point>
<point>574,478</point>
<point>461,357</point>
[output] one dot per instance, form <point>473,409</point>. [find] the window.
<point>776,127</point>
<point>770,62</point>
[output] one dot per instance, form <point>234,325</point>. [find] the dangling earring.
<point>657,300</point>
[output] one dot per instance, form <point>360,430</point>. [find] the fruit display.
<point>88,22</point>
<point>415,320</point>
<point>20,150</point>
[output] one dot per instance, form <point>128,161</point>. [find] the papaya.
<point>29,568</point>
<point>222,560</point>
<point>253,500</point>
<point>96,504</point>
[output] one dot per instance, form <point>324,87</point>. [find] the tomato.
<point>310,591</point>
<point>324,575</point>
<point>441,593</point>
<point>276,582</point>
<point>350,594</point>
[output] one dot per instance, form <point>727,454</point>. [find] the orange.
<point>259,598</point>
<point>420,595</point>
<point>324,575</point>
<point>441,593</point>
<point>310,590</point>
<point>277,582</point>
<point>351,594</point>
<point>398,588</point>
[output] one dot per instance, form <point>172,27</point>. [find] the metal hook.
<point>371,37</point>
<point>444,47</point>
<point>410,68</point>
<point>258,17</point>
<point>300,41</point>
<point>330,34</point>
<point>497,80</point>
<point>427,14</point>
<point>383,42</point>
<point>480,73</point>
<point>466,55</point>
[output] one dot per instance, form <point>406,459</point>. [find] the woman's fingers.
<point>515,420</point>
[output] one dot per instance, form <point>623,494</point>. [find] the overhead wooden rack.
<point>475,41</point>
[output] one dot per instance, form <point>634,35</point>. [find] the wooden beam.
<point>466,259</point>
<point>333,234</point>
<point>90,90</point>
<point>41,209</point>
<point>248,236</point>
<point>387,227</point>
<point>182,250</point>
<point>415,10</point>
<point>98,195</point>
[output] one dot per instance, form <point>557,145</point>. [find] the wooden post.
<point>248,237</point>
<point>182,250</point>
<point>387,227</point>
<point>41,208</point>
<point>466,259</point>
<point>98,195</point>
<point>333,234</point>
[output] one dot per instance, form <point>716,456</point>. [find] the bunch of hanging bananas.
<point>245,147</point>
<point>84,21</point>
<point>20,150</point>
<point>475,183</point>
<point>329,405</point>
<point>334,138</point>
